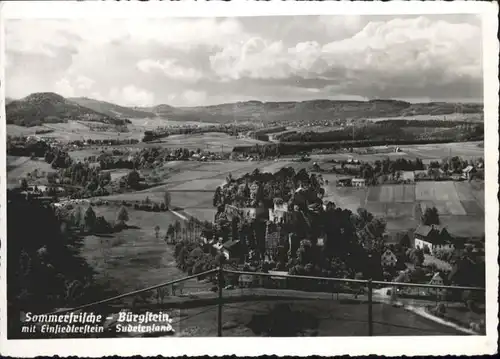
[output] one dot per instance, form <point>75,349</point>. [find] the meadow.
<point>134,258</point>
<point>192,184</point>
<point>460,204</point>
<point>427,152</point>
<point>18,167</point>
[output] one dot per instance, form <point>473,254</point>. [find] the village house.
<point>433,237</point>
<point>344,182</point>
<point>468,171</point>
<point>358,182</point>
<point>279,214</point>
<point>388,259</point>
<point>436,280</point>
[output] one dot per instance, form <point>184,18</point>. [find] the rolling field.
<point>18,168</point>
<point>71,131</point>
<point>449,117</point>
<point>143,124</point>
<point>427,153</point>
<point>211,141</point>
<point>192,184</point>
<point>134,258</point>
<point>460,205</point>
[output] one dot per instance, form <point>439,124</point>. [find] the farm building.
<point>255,213</point>
<point>344,182</point>
<point>468,172</point>
<point>358,182</point>
<point>272,239</point>
<point>408,176</point>
<point>436,280</point>
<point>388,259</point>
<point>434,237</point>
<point>279,214</point>
<point>420,174</point>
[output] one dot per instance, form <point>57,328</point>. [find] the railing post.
<point>219,315</point>
<point>370,308</point>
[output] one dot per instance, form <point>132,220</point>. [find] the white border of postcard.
<point>390,346</point>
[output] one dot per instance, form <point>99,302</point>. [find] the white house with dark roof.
<point>434,237</point>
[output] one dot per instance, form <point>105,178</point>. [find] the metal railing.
<point>368,283</point>
<point>219,298</point>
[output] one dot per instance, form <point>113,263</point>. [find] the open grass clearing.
<point>203,214</point>
<point>386,194</point>
<point>464,226</point>
<point>424,191</point>
<point>134,258</point>
<point>472,208</point>
<point>210,141</point>
<point>15,130</point>
<point>427,152</point>
<point>19,167</point>
<point>199,184</point>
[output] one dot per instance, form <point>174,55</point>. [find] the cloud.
<point>188,98</point>
<point>196,61</point>
<point>131,96</point>
<point>417,52</point>
<point>170,69</point>
<point>64,88</point>
<point>83,82</point>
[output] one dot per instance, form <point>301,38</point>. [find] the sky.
<point>205,61</point>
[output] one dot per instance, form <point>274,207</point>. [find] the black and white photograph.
<point>246,176</point>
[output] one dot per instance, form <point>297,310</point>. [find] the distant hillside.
<point>178,114</point>
<point>319,110</point>
<point>8,100</point>
<point>111,109</point>
<point>48,107</point>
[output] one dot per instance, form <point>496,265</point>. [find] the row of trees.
<point>455,164</point>
<point>393,130</point>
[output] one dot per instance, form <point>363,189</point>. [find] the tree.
<point>416,256</point>
<point>405,241</point>
<point>90,218</point>
<point>122,216</point>
<point>133,178</point>
<point>157,230</point>
<point>77,217</point>
<point>177,228</point>
<point>167,199</point>
<point>417,212</point>
<point>430,216</point>
<point>171,231</point>
<point>41,263</point>
<point>23,184</point>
